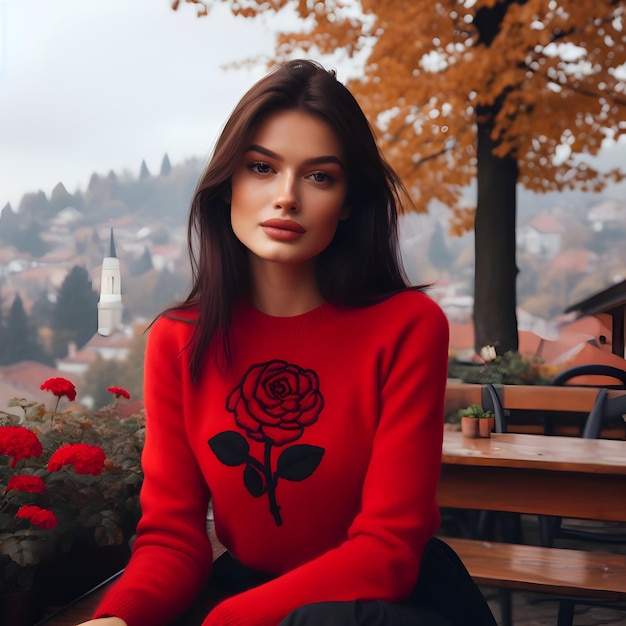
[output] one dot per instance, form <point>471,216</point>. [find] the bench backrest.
<point>538,398</point>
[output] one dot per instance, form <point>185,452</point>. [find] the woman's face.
<point>289,189</point>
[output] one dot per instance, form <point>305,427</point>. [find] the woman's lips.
<point>283,230</point>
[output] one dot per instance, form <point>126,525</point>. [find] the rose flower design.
<point>273,403</point>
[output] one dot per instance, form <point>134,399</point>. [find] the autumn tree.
<point>497,91</point>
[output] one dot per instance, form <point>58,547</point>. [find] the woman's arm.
<point>171,555</point>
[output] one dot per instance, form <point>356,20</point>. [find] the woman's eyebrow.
<point>331,158</point>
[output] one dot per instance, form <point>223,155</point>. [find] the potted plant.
<point>476,421</point>
<point>69,498</point>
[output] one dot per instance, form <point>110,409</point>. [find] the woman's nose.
<point>287,196</point>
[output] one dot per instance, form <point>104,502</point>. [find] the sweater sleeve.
<point>381,555</point>
<point>172,553</point>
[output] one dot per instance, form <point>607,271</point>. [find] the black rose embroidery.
<point>273,403</point>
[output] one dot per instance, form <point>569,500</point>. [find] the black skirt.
<point>445,595</point>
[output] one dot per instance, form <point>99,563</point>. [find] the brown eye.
<point>258,167</point>
<point>320,177</point>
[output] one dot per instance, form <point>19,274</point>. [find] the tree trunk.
<point>495,318</point>
<point>495,270</point>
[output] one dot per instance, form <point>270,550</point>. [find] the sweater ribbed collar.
<point>284,328</point>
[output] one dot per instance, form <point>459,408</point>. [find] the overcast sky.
<point>95,85</point>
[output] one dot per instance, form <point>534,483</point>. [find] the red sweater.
<point>321,449</point>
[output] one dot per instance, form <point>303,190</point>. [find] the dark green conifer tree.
<point>166,166</point>
<point>144,172</point>
<point>438,253</point>
<point>75,315</point>
<point>20,342</point>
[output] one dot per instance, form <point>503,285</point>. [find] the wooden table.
<point>562,476</point>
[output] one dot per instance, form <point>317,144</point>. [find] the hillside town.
<point>565,254</point>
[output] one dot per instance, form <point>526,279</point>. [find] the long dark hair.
<point>361,263</point>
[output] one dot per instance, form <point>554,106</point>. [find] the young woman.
<point>299,388</point>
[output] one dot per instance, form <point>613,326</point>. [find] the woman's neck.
<point>283,289</point>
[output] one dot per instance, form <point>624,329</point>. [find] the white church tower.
<point>110,303</point>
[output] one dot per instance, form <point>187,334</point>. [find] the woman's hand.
<point>104,621</point>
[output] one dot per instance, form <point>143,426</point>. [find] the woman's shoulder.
<point>397,316</point>
<point>176,322</point>
<point>411,304</point>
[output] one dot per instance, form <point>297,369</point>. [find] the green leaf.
<point>11,546</point>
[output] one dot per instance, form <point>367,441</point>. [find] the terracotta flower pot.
<point>485,426</point>
<point>469,426</point>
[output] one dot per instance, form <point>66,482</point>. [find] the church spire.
<point>112,247</point>
<point>110,303</point>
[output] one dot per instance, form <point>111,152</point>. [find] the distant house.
<point>457,308</point>
<point>607,214</point>
<point>49,278</point>
<point>114,346</point>
<point>165,257</point>
<point>575,261</point>
<point>541,236</point>
<point>611,301</point>
<point>76,362</point>
<point>65,217</point>
<point>12,261</point>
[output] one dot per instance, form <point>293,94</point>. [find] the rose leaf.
<point>299,462</point>
<point>253,480</point>
<point>230,448</point>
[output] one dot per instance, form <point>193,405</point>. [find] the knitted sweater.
<point>321,450</point>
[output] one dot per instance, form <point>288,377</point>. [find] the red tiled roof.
<point>31,373</point>
<point>576,344</point>
<point>547,224</point>
<point>461,335</point>
<point>574,260</point>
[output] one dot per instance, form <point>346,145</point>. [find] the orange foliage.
<point>551,67</point>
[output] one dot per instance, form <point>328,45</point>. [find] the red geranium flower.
<point>37,516</point>
<point>19,443</point>
<point>60,387</point>
<point>119,391</point>
<point>31,484</point>
<point>85,458</point>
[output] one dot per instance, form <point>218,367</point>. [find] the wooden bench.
<point>559,571</point>
<point>569,574</point>
<point>563,572</point>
